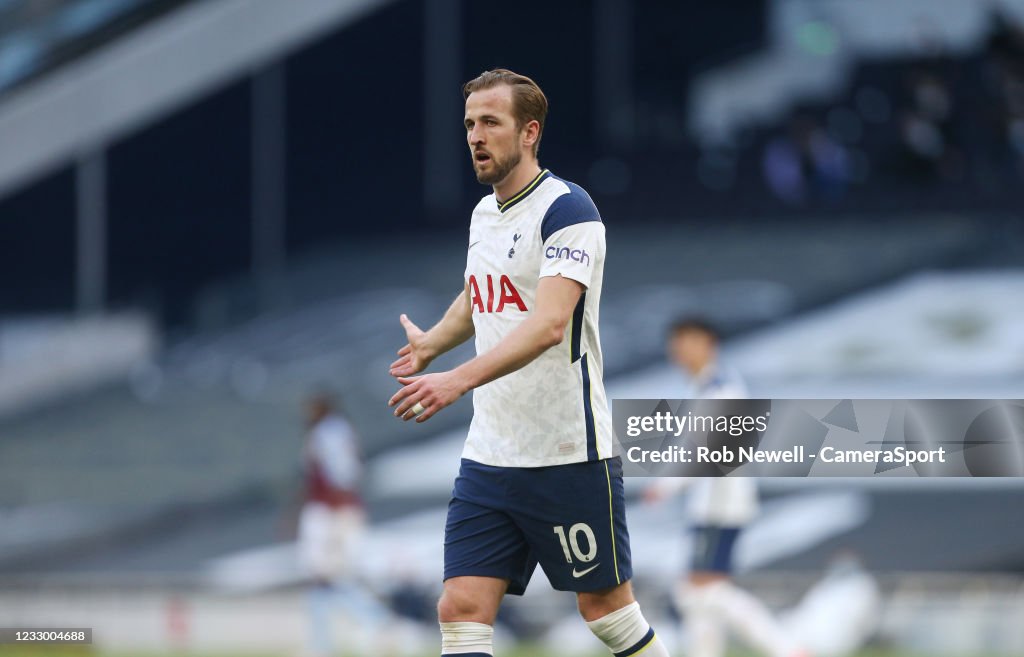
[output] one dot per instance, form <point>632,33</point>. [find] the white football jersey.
<point>718,382</point>
<point>722,501</point>
<point>554,410</point>
<point>334,449</point>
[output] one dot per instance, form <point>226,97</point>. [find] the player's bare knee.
<point>458,605</point>
<point>598,604</point>
<point>452,608</point>
<point>591,609</point>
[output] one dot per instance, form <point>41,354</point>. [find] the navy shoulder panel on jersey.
<point>576,207</point>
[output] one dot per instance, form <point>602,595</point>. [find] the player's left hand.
<point>432,391</point>
<point>416,354</point>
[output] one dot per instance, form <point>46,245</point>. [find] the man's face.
<point>692,350</point>
<point>495,142</point>
<point>316,410</point>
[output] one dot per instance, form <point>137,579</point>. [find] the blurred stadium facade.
<point>210,208</point>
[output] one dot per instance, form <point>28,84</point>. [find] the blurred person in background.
<point>538,482</point>
<point>332,523</point>
<point>1005,93</point>
<point>841,612</point>
<point>805,164</point>
<point>927,129</point>
<point>718,509</point>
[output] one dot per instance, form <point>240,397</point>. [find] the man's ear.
<point>531,133</point>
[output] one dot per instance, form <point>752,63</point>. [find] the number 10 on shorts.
<point>574,541</point>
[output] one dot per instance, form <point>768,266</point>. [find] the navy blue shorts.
<point>571,519</point>
<point>713,548</point>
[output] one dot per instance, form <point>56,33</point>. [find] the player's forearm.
<point>454,328</point>
<point>522,346</point>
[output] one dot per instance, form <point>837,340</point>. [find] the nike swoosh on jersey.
<point>581,573</point>
<point>472,244</point>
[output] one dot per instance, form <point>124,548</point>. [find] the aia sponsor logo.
<point>567,253</point>
<point>501,295</point>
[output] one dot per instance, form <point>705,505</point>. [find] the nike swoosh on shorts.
<point>581,573</point>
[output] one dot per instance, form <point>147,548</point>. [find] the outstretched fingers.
<point>402,366</point>
<point>406,398</point>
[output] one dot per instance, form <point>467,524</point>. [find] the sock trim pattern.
<point>639,646</point>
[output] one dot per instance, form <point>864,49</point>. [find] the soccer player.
<point>719,507</point>
<point>332,523</point>
<point>537,483</point>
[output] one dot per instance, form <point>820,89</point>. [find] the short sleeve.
<point>574,251</point>
<point>573,237</point>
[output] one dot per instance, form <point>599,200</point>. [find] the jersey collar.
<point>524,192</point>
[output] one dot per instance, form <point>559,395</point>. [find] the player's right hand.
<point>414,356</point>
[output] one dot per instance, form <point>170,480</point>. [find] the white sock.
<point>704,627</point>
<point>466,639</point>
<point>627,633</point>
<point>746,615</point>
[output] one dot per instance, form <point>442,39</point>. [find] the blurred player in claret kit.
<point>332,524</point>
<point>718,509</point>
<point>538,483</point>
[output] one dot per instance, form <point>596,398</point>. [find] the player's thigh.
<point>574,519</point>
<point>470,599</point>
<point>598,604</point>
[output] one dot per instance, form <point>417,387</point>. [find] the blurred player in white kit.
<point>718,508</point>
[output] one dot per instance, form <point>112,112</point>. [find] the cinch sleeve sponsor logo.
<point>567,253</point>
<point>498,296</point>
